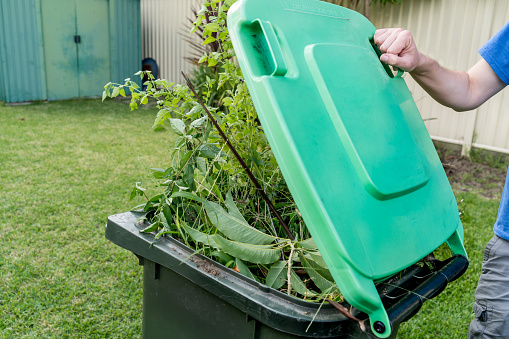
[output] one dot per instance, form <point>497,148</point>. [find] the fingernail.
<point>384,58</point>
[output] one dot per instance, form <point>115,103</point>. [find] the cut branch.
<point>242,163</point>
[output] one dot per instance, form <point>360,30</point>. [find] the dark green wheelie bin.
<point>361,167</point>
<point>188,296</point>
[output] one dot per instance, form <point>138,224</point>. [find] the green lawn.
<point>449,314</point>
<point>64,167</point>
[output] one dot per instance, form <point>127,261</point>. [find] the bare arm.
<point>456,89</point>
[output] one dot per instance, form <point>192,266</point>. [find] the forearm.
<point>450,88</point>
<point>459,90</point>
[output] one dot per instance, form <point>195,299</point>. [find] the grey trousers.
<point>491,306</point>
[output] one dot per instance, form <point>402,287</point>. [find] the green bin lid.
<point>349,140</point>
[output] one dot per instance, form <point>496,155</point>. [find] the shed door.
<point>76,47</point>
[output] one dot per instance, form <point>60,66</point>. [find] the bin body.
<point>174,307</point>
<point>188,296</point>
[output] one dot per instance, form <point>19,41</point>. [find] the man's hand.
<point>398,48</point>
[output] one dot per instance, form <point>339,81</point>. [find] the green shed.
<point>61,49</point>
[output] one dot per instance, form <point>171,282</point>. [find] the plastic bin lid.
<point>349,140</point>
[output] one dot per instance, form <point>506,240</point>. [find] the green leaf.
<point>210,151</point>
<point>234,226</point>
<point>233,210</point>
<point>144,100</point>
<point>276,277</point>
<point>317,275</point>
<point>116,92</point>
<point>104,95</point>
<point>178,126</point>
<point>198,123</point>
<point>227,101</point>
<point>189,174</point>
<point>194,110</point>
<point>167,214</point>
<point>209,40</point>
<point>308,244</point>
<point>212,62</point>
<point>189,196</point>
<point>161,116</point>
<point>243,269</point>
<point>122,92</point>
<point>150,228</point>
<point>185,158</point>
<point>299,286</point>
<point>202,59</point>
<point>222,257</point>
<point>200,237</point>
<point>258,254</point>
<point>201,164</point>
<point>133,193</point>
<point>179,142</point>
<point>157,173</point>
<point>317,258</point>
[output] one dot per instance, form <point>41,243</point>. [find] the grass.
<point>489,158</point>
<point>450,313</point>
<point>64,167</point>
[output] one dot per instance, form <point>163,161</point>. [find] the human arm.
<point>459,90</point>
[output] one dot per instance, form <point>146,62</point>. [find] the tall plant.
<point>206,198</point>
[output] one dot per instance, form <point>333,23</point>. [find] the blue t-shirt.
<point>496,53</point>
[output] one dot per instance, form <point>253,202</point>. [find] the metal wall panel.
<point>125,35</point>
<point>451,31</point>
<point>164,25</point>
<point>20,53</point>
<point>2,56</point>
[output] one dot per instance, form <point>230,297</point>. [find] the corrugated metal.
<point>451,31</point>
<point>125,34</point>
<point>2,56</point>
<point>20,51</point>
<point>164,22</point>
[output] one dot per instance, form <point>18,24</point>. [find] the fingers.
<point>378,33</point>
<point>398,48</point>
<point>406,63</point>
<point>381,35</point>
<point>390,37</point>
<point>391,59</point>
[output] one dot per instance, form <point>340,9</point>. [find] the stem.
<point>242,163</point>
<point>289,274</point>
<point>342,309</point>
<point>180,171</point>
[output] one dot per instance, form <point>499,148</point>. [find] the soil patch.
<point>474,175</point>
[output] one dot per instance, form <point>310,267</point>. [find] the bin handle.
<point>280,68</point>
<point>410,304</point>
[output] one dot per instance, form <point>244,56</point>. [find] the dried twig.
<point>347,314</point>
<point>289,274</point>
